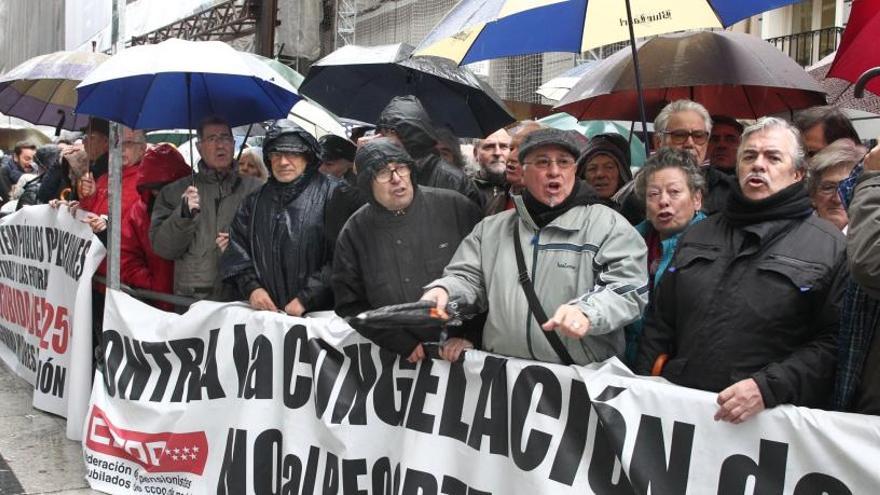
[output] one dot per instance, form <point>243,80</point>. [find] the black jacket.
<point>718,186</point>
<point>382,258</point>
<point>277,242</point>
<point>759,301</point>
<point>406,116</point>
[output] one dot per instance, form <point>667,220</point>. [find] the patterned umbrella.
<point>42,90</point>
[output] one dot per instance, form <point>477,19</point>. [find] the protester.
<point>191,216</point>
<point>20,162</point>
<point>96,142</point>
<point>94,195</point>
<point>826,169</point>
<point>449,148</point>
<point>47,156</point>
<point>405,120</point>
<point>278,255</point>
<point>250,163</point>
<point>491,154</point>
<point>723,143</point>
<point>396,244</point>
<point>821,126</point>
<point>749,305</point>
<point>857,388</point>
<point>140,266</point>
<point>605,164</point>
<point>337,157</point>
<point>59,181</point>
<point>587,264</point>
<point>686,125</point>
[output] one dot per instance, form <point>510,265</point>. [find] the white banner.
<point>230,401</point>
<point>47,259</point>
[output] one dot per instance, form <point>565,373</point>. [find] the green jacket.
<point>590,256</point>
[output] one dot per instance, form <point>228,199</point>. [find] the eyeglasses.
<point>218,139</point>
<point>544,162</point>
<point>278,155</point>
<point>680,136</point>
<point>384,175</point>
<point>828,188</point>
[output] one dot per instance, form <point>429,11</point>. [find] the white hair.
<point>677,106</point>
<point>765,124</point>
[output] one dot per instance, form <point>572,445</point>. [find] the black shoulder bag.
<point>534,303</point>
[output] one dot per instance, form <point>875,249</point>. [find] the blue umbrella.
<point>176,83</point>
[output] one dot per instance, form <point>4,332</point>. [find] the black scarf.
<point>282,193</point>
<point>791,203</point>
<point>581,195</point>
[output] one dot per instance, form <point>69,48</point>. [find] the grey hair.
<point>677,106</point>
<point>671,158</point>
<point>256,153</point>
<point>842,152</point>
<point>766,123</point>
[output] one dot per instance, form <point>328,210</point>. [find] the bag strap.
<point>534,304</point>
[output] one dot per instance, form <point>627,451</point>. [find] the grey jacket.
<point>863,234</point>
<point>590,256</point>
<point>190,241</point>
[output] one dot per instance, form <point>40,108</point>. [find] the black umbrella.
<point>357,82</point>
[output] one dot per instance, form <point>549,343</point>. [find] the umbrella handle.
<point>859,89</point>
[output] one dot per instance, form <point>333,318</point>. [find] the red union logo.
<point>156,452</point>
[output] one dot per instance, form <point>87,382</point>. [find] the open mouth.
<point>665,216</point>
<point>756,181</point>
<point>554,188</point>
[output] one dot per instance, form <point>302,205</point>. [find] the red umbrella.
<point>858,45</point>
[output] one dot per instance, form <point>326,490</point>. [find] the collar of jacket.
<point>212,176</point>
<point>565,222</point>
<point>389,219</point>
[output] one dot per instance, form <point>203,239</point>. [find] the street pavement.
<point>35,455</point>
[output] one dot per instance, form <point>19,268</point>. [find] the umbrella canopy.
<point>42,90</point>
<point>857,51</point>
<point>556,88</point>
<point>291,76</point>
<point>729,73</point>
<point>590,128</point>
<point>10,136</point>
<point>176,83</point>
<point>840,92</point>
<point>358,82</point>
<point>477,30</point>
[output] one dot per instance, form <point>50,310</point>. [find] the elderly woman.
<point>605,164</point>
<point>826,169</point>
<point>672,187</point>
<point>251,163</point>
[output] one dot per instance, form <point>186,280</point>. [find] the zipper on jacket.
<point>534,244</point>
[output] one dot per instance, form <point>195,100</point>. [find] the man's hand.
<point>568,320</point>
<point>260,300</point>
<point>453,347</point>
<point>437,295</point>
<point>294,308</point>
<point>57,203</point>
<point>97,223</point>
<point>191,196</point>
<point>222,240</point>
<point>417,354</point>
<point>872,159</point>
<point>739,402</point>
<point>87,187</point>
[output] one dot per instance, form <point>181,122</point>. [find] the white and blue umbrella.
<point>176,83</point>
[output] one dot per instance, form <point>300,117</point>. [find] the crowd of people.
<point>741,259</point>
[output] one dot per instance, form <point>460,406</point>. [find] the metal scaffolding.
<point>346,21</point>
<point>226,21</point>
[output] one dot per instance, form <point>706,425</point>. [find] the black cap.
<point>288,137</point>
<point>97,125</point>
<point>335,148</point>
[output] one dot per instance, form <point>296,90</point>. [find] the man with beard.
<point>191,216</point>
<point>749,305</point>
<point>405,121</point>
<point>559,252</point>
<point>397,243</point>
<point>491,154</point>
<point>278,255</point>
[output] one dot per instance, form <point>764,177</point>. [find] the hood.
<point>374,155</point>
<point>161,165</point>
<point>406,116</point>
<point>286,136</point>
<point>613,145</point>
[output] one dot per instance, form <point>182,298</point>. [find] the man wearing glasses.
<point>279,255</point>
<point>686,125</point>
<point>191,216</point>
<point>558,254</point>
<point>396,244</point>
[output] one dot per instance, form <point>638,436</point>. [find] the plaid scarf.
<point>858,319</point>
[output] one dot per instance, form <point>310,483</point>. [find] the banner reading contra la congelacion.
<point>228,400</point>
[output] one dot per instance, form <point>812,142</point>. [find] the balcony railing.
<point>809,47</point>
